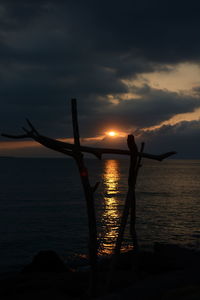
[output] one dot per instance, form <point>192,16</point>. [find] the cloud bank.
<point>96,51</point>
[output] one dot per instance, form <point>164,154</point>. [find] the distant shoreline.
<point>88,157</point>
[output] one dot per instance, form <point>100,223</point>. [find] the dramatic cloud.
<point>51,51</point>
<point>182,137</point>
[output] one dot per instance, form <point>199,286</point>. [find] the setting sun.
<point>115,133</point>
<point>111,133</point>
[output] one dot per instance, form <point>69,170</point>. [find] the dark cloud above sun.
<point>132,65</point>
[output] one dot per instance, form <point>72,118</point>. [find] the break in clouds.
<point>51,51</point>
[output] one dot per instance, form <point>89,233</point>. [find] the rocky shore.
<point>169,272</point>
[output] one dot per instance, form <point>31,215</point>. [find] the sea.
<point>42,207</point>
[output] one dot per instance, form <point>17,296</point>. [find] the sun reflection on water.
<point>111,213</point>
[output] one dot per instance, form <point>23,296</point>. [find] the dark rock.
<point>46,261</point>
<point>181,257</point>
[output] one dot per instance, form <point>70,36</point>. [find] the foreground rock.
<point>169,272</point>
<point>46,261</point>
<point>47,277</point>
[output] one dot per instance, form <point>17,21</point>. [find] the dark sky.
<point>132,65</point>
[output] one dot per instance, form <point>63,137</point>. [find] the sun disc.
<point>112,133</point>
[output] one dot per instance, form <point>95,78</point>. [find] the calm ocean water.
<point>42,206</point>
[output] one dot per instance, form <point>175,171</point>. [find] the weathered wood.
<point>98,152</point>
<point>54,147</point>
<point>118,244</point>
<point>129,197</point>
<point>12,136</point>
<point>133,160</point>
<point>88,192</point>
<point>75,150</point>
<point>49,144</point>
<point>95,187</point>
<point>132,184</point>
<point>32,127</point>
<point>139,160</point>
<point>75,125</point>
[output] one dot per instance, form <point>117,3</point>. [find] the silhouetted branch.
<point>129,198</point>
<point>12,136</point>
<point>95,151</point>
<point>95,187</point>
<point>88,191</point>
<point>32,127</point>
<point>132,184</point>
<point>53,146</point>
<point>75,124</point>
<point>75,150</point>
<point>139,161</point>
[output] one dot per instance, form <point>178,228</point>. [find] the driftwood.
<point>88,192</point>
<point>98,152</point>
<point>128,205</point>
<point>133,173</point>
<point>75,150</point>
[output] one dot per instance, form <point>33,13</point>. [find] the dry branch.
<point>88,191</point>
<point>127,205</point>
<point>95,151</point>
<point>75,150</point>
<point>132,183</point>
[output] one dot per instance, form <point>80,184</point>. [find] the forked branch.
<point>64,147</point>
